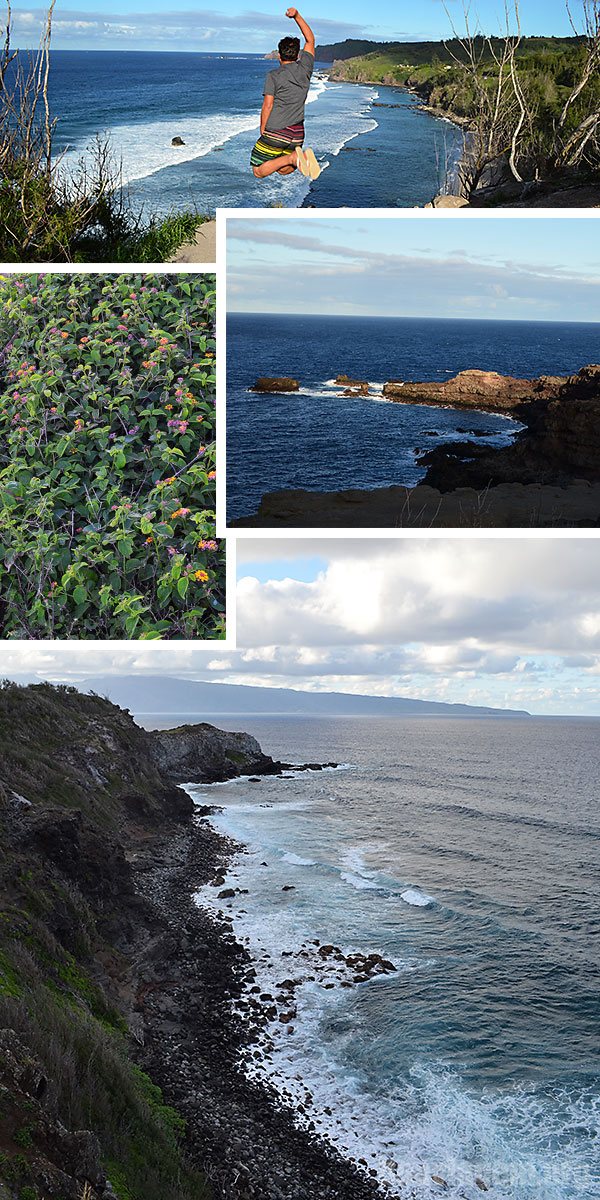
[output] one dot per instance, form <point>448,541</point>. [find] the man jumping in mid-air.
<point>279,147</point>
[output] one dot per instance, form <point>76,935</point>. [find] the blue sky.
<point>230,25</point>
<point>518,269</point>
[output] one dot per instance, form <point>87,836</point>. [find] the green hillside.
<point>423,53</point>
<point>546,109</point>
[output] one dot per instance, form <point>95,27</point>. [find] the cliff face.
<point>58,746</point>
<point>560,445</point>
<point>84,795</point>
<point>567,435</point>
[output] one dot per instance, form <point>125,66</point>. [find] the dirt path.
<point>203,249</point>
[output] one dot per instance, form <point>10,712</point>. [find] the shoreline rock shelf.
<point>549,476</point>
<point>485,390</point>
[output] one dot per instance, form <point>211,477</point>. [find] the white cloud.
<point>172,28</point>
<point>505,622</point>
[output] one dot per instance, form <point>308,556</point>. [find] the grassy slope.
<point>68,920</point>
<point>547,71</point>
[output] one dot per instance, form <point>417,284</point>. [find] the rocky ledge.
<point>511,506</point>
<point>484,390</point>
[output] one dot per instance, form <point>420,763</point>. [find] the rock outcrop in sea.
<point>275,384</point>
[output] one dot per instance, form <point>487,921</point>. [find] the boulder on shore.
<point>278,384</point>
<point>448,202</point>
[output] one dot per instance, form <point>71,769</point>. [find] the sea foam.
<point>416,898</point>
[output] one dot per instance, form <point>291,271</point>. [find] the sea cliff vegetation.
<point>53,213</point>
<point>119,1044</point>
<point>78,1117</point>
<point>530,105</point>
<point>107,457</point>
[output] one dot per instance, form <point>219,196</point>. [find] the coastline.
<point>198,1023</point>
<point>440,114</point>
<point>547,476</point>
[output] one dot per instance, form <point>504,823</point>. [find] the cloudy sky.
<point>154,25</point>
<point>512,623</point>
<point>543,269</point>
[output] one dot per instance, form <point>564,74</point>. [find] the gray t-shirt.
<point>289,85</point>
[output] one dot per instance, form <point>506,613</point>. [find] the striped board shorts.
<point>275,142</point>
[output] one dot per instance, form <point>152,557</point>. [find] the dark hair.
<point>289,49</point>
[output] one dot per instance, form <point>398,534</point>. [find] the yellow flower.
<point>201,576</point>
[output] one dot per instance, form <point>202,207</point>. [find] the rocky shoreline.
<point>200,1020</point>
<point>126,1009</point>
<point>548,477</point>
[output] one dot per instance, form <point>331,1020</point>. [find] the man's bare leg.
<point>277,164</point>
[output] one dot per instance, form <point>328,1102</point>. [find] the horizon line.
<point>405,317</point>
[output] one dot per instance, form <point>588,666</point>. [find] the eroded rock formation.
<point>477,389</point>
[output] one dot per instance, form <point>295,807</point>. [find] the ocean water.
<point>323,441</point>
<point>372,156</point>
<point>467,852</point>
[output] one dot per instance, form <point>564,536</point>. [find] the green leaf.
<point>182,586</point>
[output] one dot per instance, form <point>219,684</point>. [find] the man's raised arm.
<point>304,28</point>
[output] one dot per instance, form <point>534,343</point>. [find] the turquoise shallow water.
<point>466,852</point>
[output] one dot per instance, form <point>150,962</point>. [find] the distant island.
<point>167,694</point>
<point>541,138</point>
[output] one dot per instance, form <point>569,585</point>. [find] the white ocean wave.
<point>145,148</point>
<point>416,898</point>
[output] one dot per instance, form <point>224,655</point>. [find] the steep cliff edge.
<point>559,446</point>
<point>118,1039</point>
<point>79,792</point>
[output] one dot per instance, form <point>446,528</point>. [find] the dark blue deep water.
<point>319,440</point>
<point>467,851</point>
<point>377,157</point>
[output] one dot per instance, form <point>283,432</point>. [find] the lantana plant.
<point>107,457</point>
